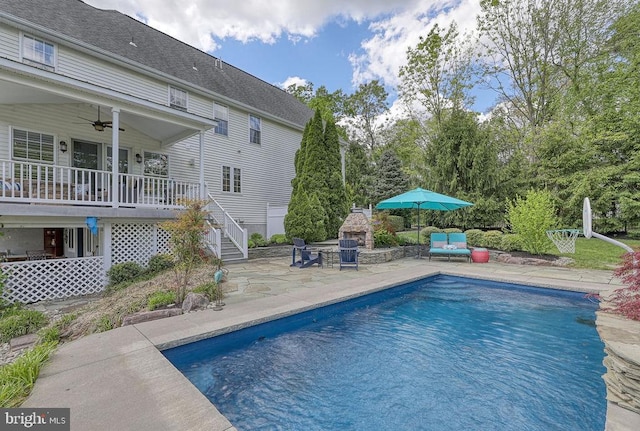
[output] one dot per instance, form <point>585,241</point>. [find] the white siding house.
<point>105,125</point>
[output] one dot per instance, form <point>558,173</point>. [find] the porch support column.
<point>202,189</point>
<point>115,153</point>
<point>106,247</point>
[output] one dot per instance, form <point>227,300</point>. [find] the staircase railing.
<point>230,228</point>
<point>213,239</point>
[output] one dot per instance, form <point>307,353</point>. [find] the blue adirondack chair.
<point>307,258</point>
<point>348,252</point>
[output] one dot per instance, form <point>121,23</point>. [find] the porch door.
<point>88,155</point>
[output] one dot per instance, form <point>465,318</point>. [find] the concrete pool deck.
<point>120,380</point>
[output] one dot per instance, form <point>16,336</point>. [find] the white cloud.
<point>245,21</point>
<point>385,52</point>
<point>293,80</point>
<point>395,25</point>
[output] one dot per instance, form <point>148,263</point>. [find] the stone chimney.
<point>357,226</point>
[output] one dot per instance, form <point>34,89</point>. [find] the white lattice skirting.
<point>137,242</point>
<point>39,280</point>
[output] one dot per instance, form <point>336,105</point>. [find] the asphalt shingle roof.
<point>112,32</point>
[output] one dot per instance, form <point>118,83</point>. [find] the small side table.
<point>480,255</point>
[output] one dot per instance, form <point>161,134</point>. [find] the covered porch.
<point>69,142</point>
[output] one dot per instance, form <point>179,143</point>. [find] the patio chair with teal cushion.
<point>348,252</point>
<point>455,245</point>
<point>437,244</point>
<point>307,258</point>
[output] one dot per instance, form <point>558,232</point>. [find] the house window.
<point>32,146</point>
<point>236,180</point>
<point>38,52</point>
<point>227,179</point>
<point>254,130</point>
<point>177,98</point>
<point>123,160</point>
<point>221,115</point>
<point>156,164</point>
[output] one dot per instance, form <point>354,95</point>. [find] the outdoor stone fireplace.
<point>356,226</point>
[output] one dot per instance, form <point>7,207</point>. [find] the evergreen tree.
<point>390,178</point>
<point>301,220</point>
<point>318,199</point>
<point>358,175</point>
<point>338,206</point>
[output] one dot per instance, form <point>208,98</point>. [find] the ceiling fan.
<point>98,125</point>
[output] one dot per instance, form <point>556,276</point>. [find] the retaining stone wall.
<point>621,337</point>
<point>379,255</point>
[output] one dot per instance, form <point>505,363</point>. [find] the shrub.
<point>305,217</point>
<point>510,242</point>
<point>211,290</point>
<point>425,233</point>
<point>278,238</point>
<point>384,238</point>
<point>258,240</point>
<point>160,299</point>
<point>626,301</point>
<point>474,237</point>
<point>492,239</point>
<point>633,234</point>
<point>18,321</point>
<point>406,240</point>
<point>187,243</point>
<point>159,263</point>
<point>251,244</point>
<point>530,218</point>
<point>381,222</point>
<point>124,272</point>
<point>397,222</point>
<point>452,230</point>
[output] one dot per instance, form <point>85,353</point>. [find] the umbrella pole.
<point>419,246</point>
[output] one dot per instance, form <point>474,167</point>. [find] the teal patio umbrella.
<point>422,199</point>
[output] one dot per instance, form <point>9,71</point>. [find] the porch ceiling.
<point>157,126</point>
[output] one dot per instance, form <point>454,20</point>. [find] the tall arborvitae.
<point>299,157</point>
<point>306,217</point>
<point>338,204</point>
<point>318,200</point>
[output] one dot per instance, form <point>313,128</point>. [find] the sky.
<point>338,44</point>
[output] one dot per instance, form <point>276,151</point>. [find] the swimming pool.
<point>440,353</point>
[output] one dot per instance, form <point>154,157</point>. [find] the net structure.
<point>564,239</point>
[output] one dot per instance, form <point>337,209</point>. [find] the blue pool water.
<point>444,353</point>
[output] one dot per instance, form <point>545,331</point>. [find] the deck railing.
<point>41,183</point>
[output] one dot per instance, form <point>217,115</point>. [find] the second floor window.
<point>254,130</point>
<point>177,98</point>
<point>38,52</point>
<point>32,146</point>
<point>221,115</point>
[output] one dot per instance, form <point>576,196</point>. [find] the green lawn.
<point>590,253</point>
<point>598,254</point>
